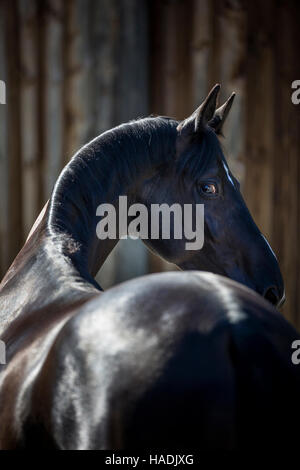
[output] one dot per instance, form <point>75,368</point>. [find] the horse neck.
<point>57,264</point>
<point>109,166</point>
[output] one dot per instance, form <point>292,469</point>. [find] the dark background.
<point>74,68</point>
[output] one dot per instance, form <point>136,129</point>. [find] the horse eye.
<point>209,188</point>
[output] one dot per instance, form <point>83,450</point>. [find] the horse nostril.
<point>272,295</point>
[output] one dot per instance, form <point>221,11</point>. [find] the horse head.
<point>199,174</point>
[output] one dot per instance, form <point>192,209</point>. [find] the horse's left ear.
<point>221,114</point>
<point>203,115</point>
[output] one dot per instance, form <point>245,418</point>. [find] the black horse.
<point>50,287</point>
<point>169,361</point>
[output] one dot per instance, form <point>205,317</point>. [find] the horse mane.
<point>116,159</point>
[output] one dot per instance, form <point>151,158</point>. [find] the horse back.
<point>164,363</point>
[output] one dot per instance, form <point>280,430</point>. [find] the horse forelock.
<point>203,151</point>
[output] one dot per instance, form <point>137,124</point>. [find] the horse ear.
<point>206,110</point>
<point>221,114</point>
<point>201,117</point>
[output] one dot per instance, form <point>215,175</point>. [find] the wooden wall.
<point>74,68</point>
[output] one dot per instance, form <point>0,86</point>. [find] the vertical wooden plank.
<point>259,113</point>
<point>286,194</point>
<point>171,63</point>
<point>29,116</point>
<point>12,51</point>
<point>3,151</point>
<point>100,28</point>
<point>232,43</point>
<point>41,100</point>
<point>201,46</point>
<point>131,84</point>
<point>296,153</point>
<point>69,68</point>
<point>214,61</point>
<point>219,34</point>
<point>54,93</point>
<point>73,66</point>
